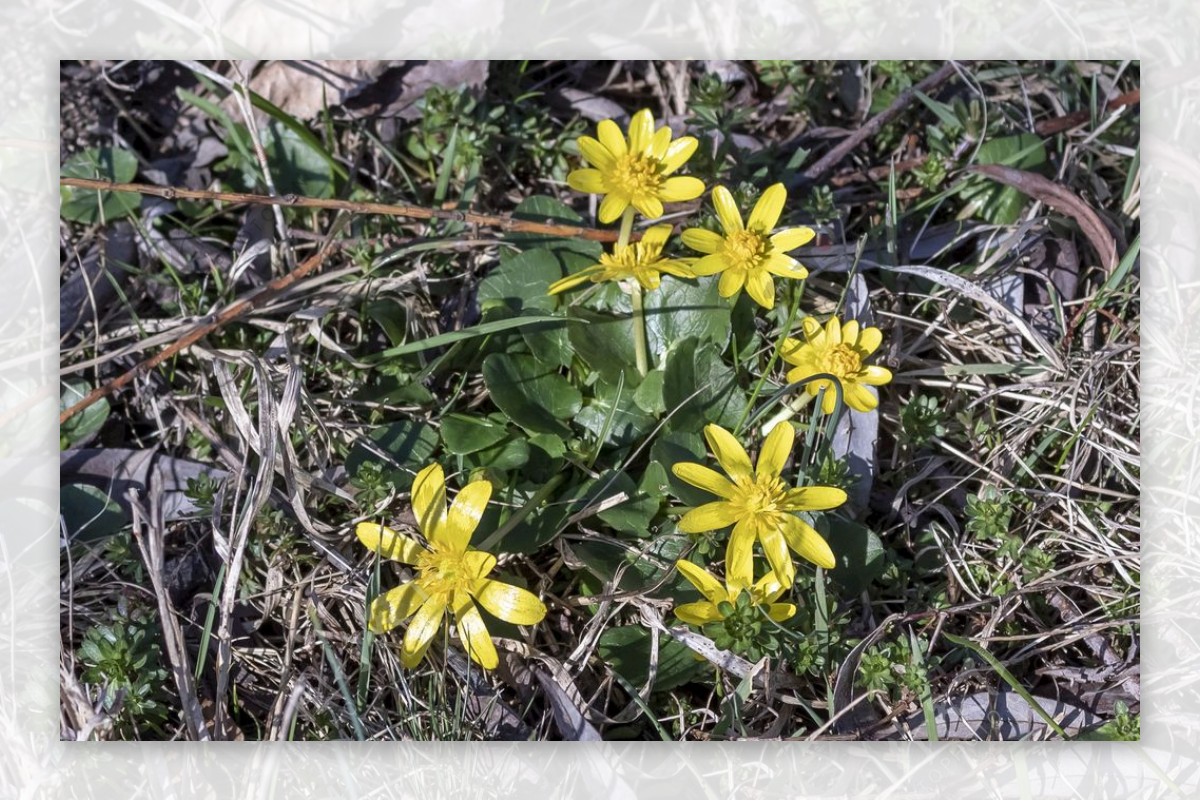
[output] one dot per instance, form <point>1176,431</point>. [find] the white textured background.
<point>34,34</point>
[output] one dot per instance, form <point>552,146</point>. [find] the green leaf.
<point>552,445</point>
<point>88,513</point>
<point>681,446</point>
<point>507,455</point>
<point>627,650</point>
<point>465,434</point>
<point>631,516</point>
<point>656,481</point>
<point>628,422</point>
<point>296,166</point>
<point>543,209</point>
<point>402,449</point>
<point>604,342</point>
<point>391,316</point>
<point>680,308</point>
<point>450,337</point>
<point>520,283</point>
<point>534,397</point>
<point>92,206</point>
<point>649,394</point>
<point>85,423</point>
<point>859,553</point>
<point>999,204</point>
<point>701,386</point>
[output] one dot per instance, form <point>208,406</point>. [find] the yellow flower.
<point>841,350</point>
<point>634,172</point>
<point>759,506</point>
<point>642,260</point>
<point>449,575</point>
<point>748,255</point>
<point>763,593</point>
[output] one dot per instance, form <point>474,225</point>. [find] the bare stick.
<point>391,210</point>
<point>872,126</point>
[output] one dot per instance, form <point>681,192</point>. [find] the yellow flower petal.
<point>698,613</point>
<point>702,580</point>
<point>727,210</point>
<point>479,563</point>
<point>776,449</point>
<point>586,180</point>
<point>781,612</point>
<point>596,154</point>
<point>710,265</point>
<point>389,544</point>
<point>709,517</point>
<point>731,282</point>
<point>656,236</point>
<point>473,632</point>
<point>702,240</point>
<point>679,267</point>
<point>813,332</point>
<point>859,397</point>
<point>681,188</point>
<point>792,238</point>
<point>875,376</point>
<point>829,399</point>
<point>833,331</point>
<point>429,500</point>
<point>703,477</point>
<point>421,630</point>
<point>511,604</point>
<point>776,549</point>
<point>660,142</point>
<point>768,588</point>
<point>807,543</point>
<point>760,287</point>
<point>612,207</point>
<point>785,267</point>
<point>739,553</point>
<point>464,515</point>
<point>611,137</point>
<point>869,339</point>
<point>815,499</point>
<point>728,451</point>
<point>391,608</point>
<point>767,210</point>
<point>641,130</point>
<point>850,332</point>
<point>678,152</point>
<point>649,206</point>
<point>572,281</point>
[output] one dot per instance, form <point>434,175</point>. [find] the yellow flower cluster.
<point>636,174</point>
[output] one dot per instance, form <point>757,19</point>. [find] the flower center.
<point>443,572</point>
<point>841,360</point>
<point>630,261</point>
<point>744,250</point>
<point>634,175</point>
<point>759,495</point>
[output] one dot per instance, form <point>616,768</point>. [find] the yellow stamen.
<point>635,175</point>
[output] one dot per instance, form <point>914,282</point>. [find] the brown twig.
<point>872,126</point>
<point>234,310</point>
<point>1067,121</point>
<point>391,210</point>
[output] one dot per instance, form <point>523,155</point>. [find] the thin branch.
<point>872,126</point>
<point>391,210</point>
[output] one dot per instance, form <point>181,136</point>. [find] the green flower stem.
<point>790,409</point>
<point>635,299</point>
